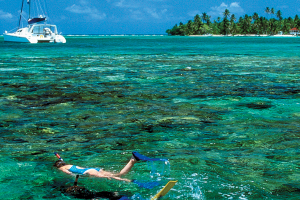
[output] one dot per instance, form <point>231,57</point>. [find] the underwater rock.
<point>187,69</point>
<point>147,127</point>
<point>27,196</point>
<point>194,161</point>
<point>19,140</point>
<point>290,187</point>
<point>174,145</point>
<point>39,152</point>
<point>171,122</point>
<point>48,131</point>
<point>292,91</point>
<point>83,193</point>
<point>257,105</point>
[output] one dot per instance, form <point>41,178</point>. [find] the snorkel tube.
<point>58,156</point>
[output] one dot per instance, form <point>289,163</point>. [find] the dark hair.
<point>59,163</point>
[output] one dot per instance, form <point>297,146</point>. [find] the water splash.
<point>137,197</point>
<point>190,188</point>
<point>159,169</point>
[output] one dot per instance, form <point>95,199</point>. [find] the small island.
<point>247,25</point>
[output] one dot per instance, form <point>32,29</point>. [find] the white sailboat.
<point>37,30</point>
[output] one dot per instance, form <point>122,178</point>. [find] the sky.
<point>133,16</point>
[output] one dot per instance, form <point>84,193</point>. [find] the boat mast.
<point>21,14</point>
<point>28,1</point>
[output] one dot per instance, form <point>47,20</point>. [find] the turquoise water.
<point>224,111</point>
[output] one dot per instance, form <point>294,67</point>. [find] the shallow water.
<point>224,111</point>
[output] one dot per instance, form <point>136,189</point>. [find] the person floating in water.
<point>100,173</point>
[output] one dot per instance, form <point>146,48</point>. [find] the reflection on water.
<point>225,111</point>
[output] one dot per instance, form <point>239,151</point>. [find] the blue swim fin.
<point>124,198</point>
<point>140,157</point>
<point>147,185</point>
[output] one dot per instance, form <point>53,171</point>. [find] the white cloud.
<point>120,3</point>
<point>83,8</point>
<point>235,5</point>
<point>234,8</point>
<point>136,14</point>
<point>148,13</point>
<point>98,16</point>
<point>284,7</point>
<point>5,15</point>
<point>142,10</point>
<point>154,13</point>
<point>134,3</point>
<point>84,2</point>
<point>127,4</point>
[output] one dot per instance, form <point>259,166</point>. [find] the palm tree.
<point>265,25</point>
<point>274,26</point>
<point>279,15</point>
<point>286,26</point>
<point>291,21</point>
<point>215,28</point>
<point>234,29</point>
<point>172,31</point>
<point>229,24</point>
<point>267,10</point>
<point>225,26</point>
<point>297,21</point>
<point>272,11</point>
<point>190,27</point>
<point>255,16</point>
<point>197,24</point>
<point>232,18</point>
<point>256,27</point>
<point>204,17</point>
<point>226,13</point>
<point>208,22</point>
<point>182,29</point>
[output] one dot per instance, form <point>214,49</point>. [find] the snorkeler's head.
<point>59,163</point>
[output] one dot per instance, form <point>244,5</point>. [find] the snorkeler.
<point>98,172</point>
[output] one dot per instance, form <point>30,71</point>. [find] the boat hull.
<point>33,39</point>
<point>15,38</point>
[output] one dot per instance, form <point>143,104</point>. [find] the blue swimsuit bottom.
<point>74,169</point>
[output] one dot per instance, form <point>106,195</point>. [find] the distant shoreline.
<point>249,35</point>
<point>160,35</point>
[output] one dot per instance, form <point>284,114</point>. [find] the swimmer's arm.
<point>114,177</point>
<point>121,179</point>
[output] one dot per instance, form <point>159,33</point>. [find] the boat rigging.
<point>37,30</point>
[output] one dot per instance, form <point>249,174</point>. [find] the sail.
<point>36,20</point>
<point>39,16</point>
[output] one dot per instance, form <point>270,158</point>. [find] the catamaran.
<point>37,30</point>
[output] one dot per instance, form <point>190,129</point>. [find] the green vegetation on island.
<point>246,25</point>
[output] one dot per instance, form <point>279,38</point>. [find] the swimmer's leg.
<point>104,174</point>
<point>127,167</point>
<point>135,157</point>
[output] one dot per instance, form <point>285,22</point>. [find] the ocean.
<point>223,110</point>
